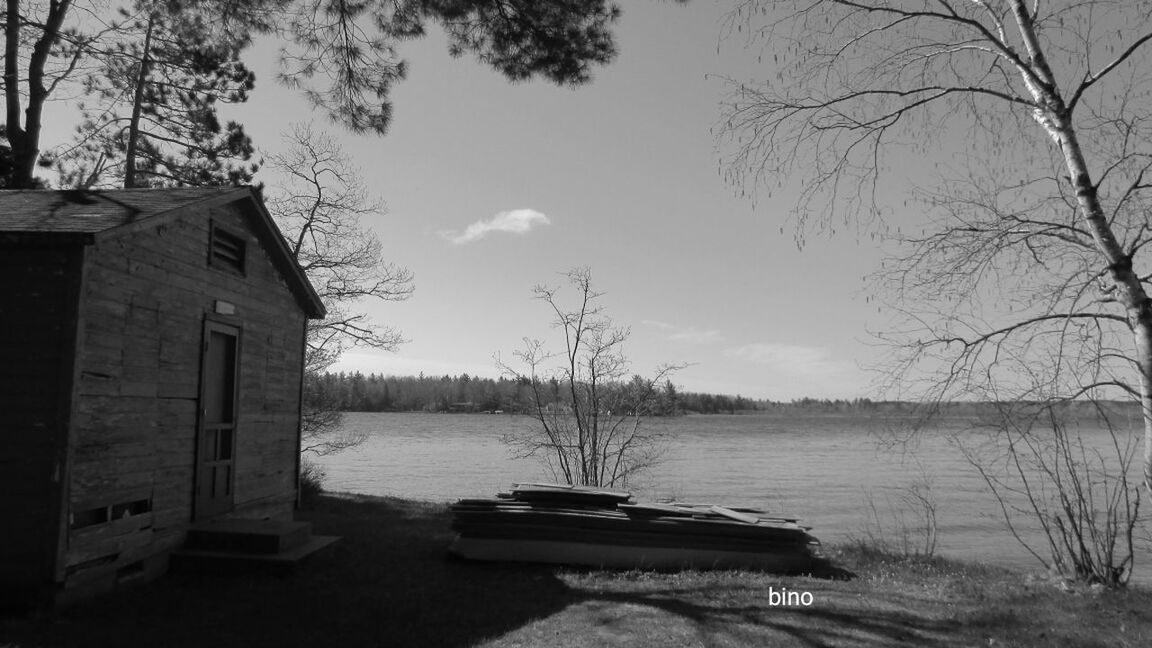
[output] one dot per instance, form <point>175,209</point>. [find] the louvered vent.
<point>227,250</point>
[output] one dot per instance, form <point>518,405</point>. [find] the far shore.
<point>974,412</point>
<point>389,582</point>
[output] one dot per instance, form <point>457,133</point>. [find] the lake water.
<point>831,471</point>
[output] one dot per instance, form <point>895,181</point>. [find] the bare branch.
<point>590,429</point>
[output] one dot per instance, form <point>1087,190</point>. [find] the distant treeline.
<point>357,392</point>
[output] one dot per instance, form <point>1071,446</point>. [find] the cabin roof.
<point>89,212</point>
<point>117,212</point>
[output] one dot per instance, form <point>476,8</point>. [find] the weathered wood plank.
<point>82,548</point>
<point>150,345</point>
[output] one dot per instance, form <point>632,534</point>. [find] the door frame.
<point>225,505</point>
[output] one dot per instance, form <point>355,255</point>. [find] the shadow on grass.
<point>896,602</point>
<point>742,617</point>
<point>387,583</point>
<point>752,621</point>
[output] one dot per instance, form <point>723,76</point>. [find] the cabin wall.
<point>146,298</point>
<point>38,285</point>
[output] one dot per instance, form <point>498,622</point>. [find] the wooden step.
<point>248,537</point>
<point>219,561</point>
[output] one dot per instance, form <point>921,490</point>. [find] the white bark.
<point>850,74</point>
<point>1054,116</point>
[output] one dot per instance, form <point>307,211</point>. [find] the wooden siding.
<point>38,285</point>
<point>146,298</point>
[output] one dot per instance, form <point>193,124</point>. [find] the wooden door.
<point>216,436</point>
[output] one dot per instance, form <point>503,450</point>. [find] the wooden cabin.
<point>151,363</point>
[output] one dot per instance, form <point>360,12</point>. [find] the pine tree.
<point>152,119</point>
<point>181,56</point>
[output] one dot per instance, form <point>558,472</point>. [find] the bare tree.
<point>590,420</point>
<point>1024,128</point>
<point>1044,473</point>
<point>319,206</point>
<point>908,526</point>
<point>1011,307</point>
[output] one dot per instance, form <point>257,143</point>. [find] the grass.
<point>389,584</point>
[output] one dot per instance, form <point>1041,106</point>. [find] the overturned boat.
<point>603,528</point>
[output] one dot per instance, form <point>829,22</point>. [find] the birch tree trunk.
<point>858,82</point>
<point>1054,115</point>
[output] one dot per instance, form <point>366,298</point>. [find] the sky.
<point>492,188</point>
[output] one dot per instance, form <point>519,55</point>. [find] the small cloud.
<point>792,359</point>
<point>687,334</point>
<point>516,221</point>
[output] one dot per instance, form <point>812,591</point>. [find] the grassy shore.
<point>389,584</point>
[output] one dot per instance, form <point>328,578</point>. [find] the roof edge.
<point>283,255</point>
<point>267,230</point>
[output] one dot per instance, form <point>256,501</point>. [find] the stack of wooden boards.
<point>603,528</point>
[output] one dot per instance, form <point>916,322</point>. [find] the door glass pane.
<point>220,378</point>
<point>224,449</point>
